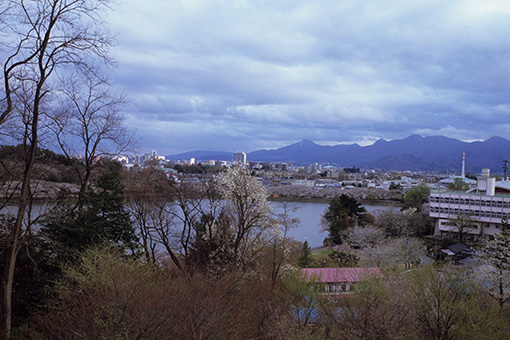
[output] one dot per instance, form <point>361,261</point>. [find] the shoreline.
<point>327,200</point>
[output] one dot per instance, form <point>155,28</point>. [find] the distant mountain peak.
<point>496,139</point>
<point>380,142</point>
<point>306,142</point>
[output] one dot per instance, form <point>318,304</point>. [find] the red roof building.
<point>340,280</point>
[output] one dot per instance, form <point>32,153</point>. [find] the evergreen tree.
<point>343,212</point>
<point>99,218</point>
<point>415,197</point>
<point>305,259</point>
<point>458,185</point>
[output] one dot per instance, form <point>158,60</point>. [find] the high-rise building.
<point>239,158</point>
<point>315,167</point>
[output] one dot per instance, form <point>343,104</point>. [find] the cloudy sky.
<point>241,75</point>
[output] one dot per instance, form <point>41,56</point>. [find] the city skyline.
<point>249,75</point>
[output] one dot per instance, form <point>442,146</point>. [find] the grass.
<point>322,254</point>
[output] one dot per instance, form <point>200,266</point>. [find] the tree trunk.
<point>501,298</point>
<point>14,240</point>
<point>6,291</point>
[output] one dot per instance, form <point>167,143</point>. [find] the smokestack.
<point>463,174</point>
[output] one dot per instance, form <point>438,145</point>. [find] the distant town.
<point>286,174</point>
<point>312,176</point>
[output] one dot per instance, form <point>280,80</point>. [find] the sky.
<point>240,75</point>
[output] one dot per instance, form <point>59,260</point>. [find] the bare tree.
<point>89,124</point>
<point>439,301</point>
<point>170,215</point>
<point>139,191</point>
<point>49,36</point>
<point>373,312</point>
<point>464,223</point>
<point>495,255</point>
<point>281,244</point>
<point>392,220</point>
<point>150,195</point>
<point>191,201</point>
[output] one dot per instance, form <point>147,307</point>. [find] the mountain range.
<point>416,153</point>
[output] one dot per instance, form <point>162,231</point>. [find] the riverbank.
<point>369,196</point>
<point>42,190</point>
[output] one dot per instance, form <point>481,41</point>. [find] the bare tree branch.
<point>42,38</point>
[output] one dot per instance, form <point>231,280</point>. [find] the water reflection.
<point>310,213</point>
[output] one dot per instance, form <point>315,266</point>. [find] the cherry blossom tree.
<point>495,254</point>
<point>247,213</point>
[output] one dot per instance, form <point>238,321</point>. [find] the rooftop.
<point>328,275</point>
<point>470,193</point>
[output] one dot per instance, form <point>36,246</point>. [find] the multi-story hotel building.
<point>486,207</point>
<point>239,158</point>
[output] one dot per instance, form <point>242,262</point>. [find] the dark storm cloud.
<point>245,75</point>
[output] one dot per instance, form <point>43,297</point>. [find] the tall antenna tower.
<point>505,168</point>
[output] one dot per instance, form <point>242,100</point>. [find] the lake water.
<point>309,214</point>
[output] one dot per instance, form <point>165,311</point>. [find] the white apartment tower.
<point>239,158</point>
